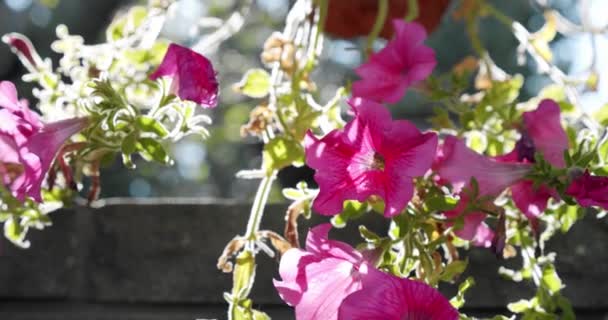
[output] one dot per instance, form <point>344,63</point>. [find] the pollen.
<point>378,163</point>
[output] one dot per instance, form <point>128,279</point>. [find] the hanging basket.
<point>348,19</point>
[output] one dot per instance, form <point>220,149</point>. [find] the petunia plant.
<point>132,95</point>
<point>491,169</point>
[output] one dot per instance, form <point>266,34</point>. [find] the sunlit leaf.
<point>255,83</point>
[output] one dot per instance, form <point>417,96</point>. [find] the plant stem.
<point>413,11</point>
<point>257,210</point>
<point>378,25</point>
<point>501,17</point>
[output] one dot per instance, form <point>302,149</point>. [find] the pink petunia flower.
<point>387,297</point>
<point>457,164</point>
<point>316,280</point>
<point>28,146</point>
<point>404,61</point>
<point>589,190</point>
<point>193,77</point>
<point>543,133</point>
<point>372,155</point>
<point>474,228</point>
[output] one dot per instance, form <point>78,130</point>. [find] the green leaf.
<point>259,315</point>
<point>440,203</point>
<point>567,311</point>
<point>521,305</point>
<point>441,119</point>
<point>369,235</point>
<point>352,210</point>
<point>551,280</point>
<point>255,83</point>
<point>116,29</point>
<point>477,141</point>
<point>453,270</point>
<point>305,119</point>
<point>282,152</point>
<point>602,115</point>
<point>151,125</point>
<point>128,147</point>
<point>15,233</point>
<point>244,273</point>
<point>400,227</point>
<point>293,194</point>
<point>152,150</point>
<point>568,216</point>
<point>458,301</point>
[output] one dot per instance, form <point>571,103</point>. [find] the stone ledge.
<point>163,251</point>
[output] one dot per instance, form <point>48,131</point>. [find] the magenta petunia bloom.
<point>28,146</point>
<point>404,61</point>
<point>193,77</point>
<point>542,132</point>
<point>386,297</point>
<point>371,155</point>
<point>316,280</point>
<point>474,228</point>
<point>457,164</point>
<point>589,190</point>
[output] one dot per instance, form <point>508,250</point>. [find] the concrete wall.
<point>155,259</point>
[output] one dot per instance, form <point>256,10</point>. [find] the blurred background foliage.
<point>207,168</point>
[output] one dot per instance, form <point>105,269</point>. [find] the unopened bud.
<point>24,49</point>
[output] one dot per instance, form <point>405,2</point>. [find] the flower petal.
<point>329,282</point>
<point>404,61</point>
<point>8,96</point>
<point>391,298</point>
<point>318,243</point>
<point>590,190</point>
<point>531,201</point>
<point>458,164</point>
<point>545,128</point>
<point>45,145</point>
<point>293,282</point>
<point>193,75</point>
